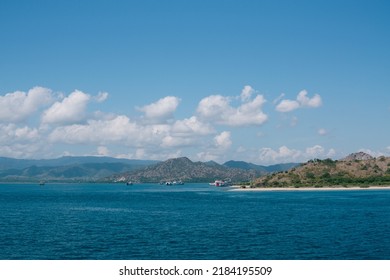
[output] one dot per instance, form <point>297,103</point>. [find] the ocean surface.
<point>193,221</point>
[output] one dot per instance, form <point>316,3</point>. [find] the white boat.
<point>218,183</point>
<point>180,182</point>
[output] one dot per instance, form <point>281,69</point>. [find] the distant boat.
<point>41,183</point>
<point>129,183</point>
<point>180,182</point>
<point>220,183</point>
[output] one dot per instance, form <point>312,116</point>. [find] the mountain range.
<point>107,169</point>
<point>87,168</point>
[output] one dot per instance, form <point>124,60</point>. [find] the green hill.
<point>355,170</point>
<point>187,171</point>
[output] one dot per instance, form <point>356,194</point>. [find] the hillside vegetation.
<point>357,169</point>
<point>187,171</point>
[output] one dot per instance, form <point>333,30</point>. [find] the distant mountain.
<point>93,169</point>
<point>187,171</point>
<point>12,163</point>
<point>356,169</point>
<point>66,168</point>
<point>260,168</point>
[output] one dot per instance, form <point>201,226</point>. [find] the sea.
<point>190,222</point>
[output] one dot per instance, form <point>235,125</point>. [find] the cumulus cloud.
<point>191,126</point>
<point>162,110</point>
<point>20,141</point>
<point>284,154</point>
<point>223,141</point>
<point>70,110</point>
<point>171,141</point>
<point>65,123</point>
<point>315,151</point>
<point>96,131</point>
<point>218,109</point>
<point>287,105</point>
<point>120,130</point>
<point>19,105</point>
<point>217,151</point>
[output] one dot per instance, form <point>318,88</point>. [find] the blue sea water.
<point>193,221</point>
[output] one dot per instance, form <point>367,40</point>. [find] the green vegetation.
<point>322,173</point>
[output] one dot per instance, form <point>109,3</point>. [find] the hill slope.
<point>261,168</point>
<point>187,171</point>
<point>318,173</point>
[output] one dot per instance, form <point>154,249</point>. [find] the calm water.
<point>194,221</point>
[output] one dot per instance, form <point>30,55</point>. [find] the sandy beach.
<point>239,188</point>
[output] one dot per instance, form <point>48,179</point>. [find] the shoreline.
<point>352,188</point>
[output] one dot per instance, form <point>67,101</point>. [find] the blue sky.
<point>260,81</point>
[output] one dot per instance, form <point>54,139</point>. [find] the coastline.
<point>352,188</point>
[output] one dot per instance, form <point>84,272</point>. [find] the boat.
<point>129,183</point>
<point>180,182</point>
<point>218,183</point>
<point>41,183</point>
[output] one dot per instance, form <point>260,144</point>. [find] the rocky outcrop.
<point>357,156</point>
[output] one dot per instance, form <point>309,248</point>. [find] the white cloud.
<point>285,154</point>
<point>217,109</point>
<point>280,97</point>
<point>305,101</point>
<point>101,97</point>
<point>70,110</point>
<point>171,141</point>
<point>218,150</point>
<point>20,142</point>
<point>19,105</point>
<point>315,151</point>
<point>190,126</point>
<point>120,130</point>
<point>246,93</point>
<point>98,132</point>
<point>13,133</point>
<point>161,110</point>
<point>287,105</point>
<point>207,156</point>
<point>65,124</point>
<point>331,153</point>
<point>301,101</point>
<point>223,141</point>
